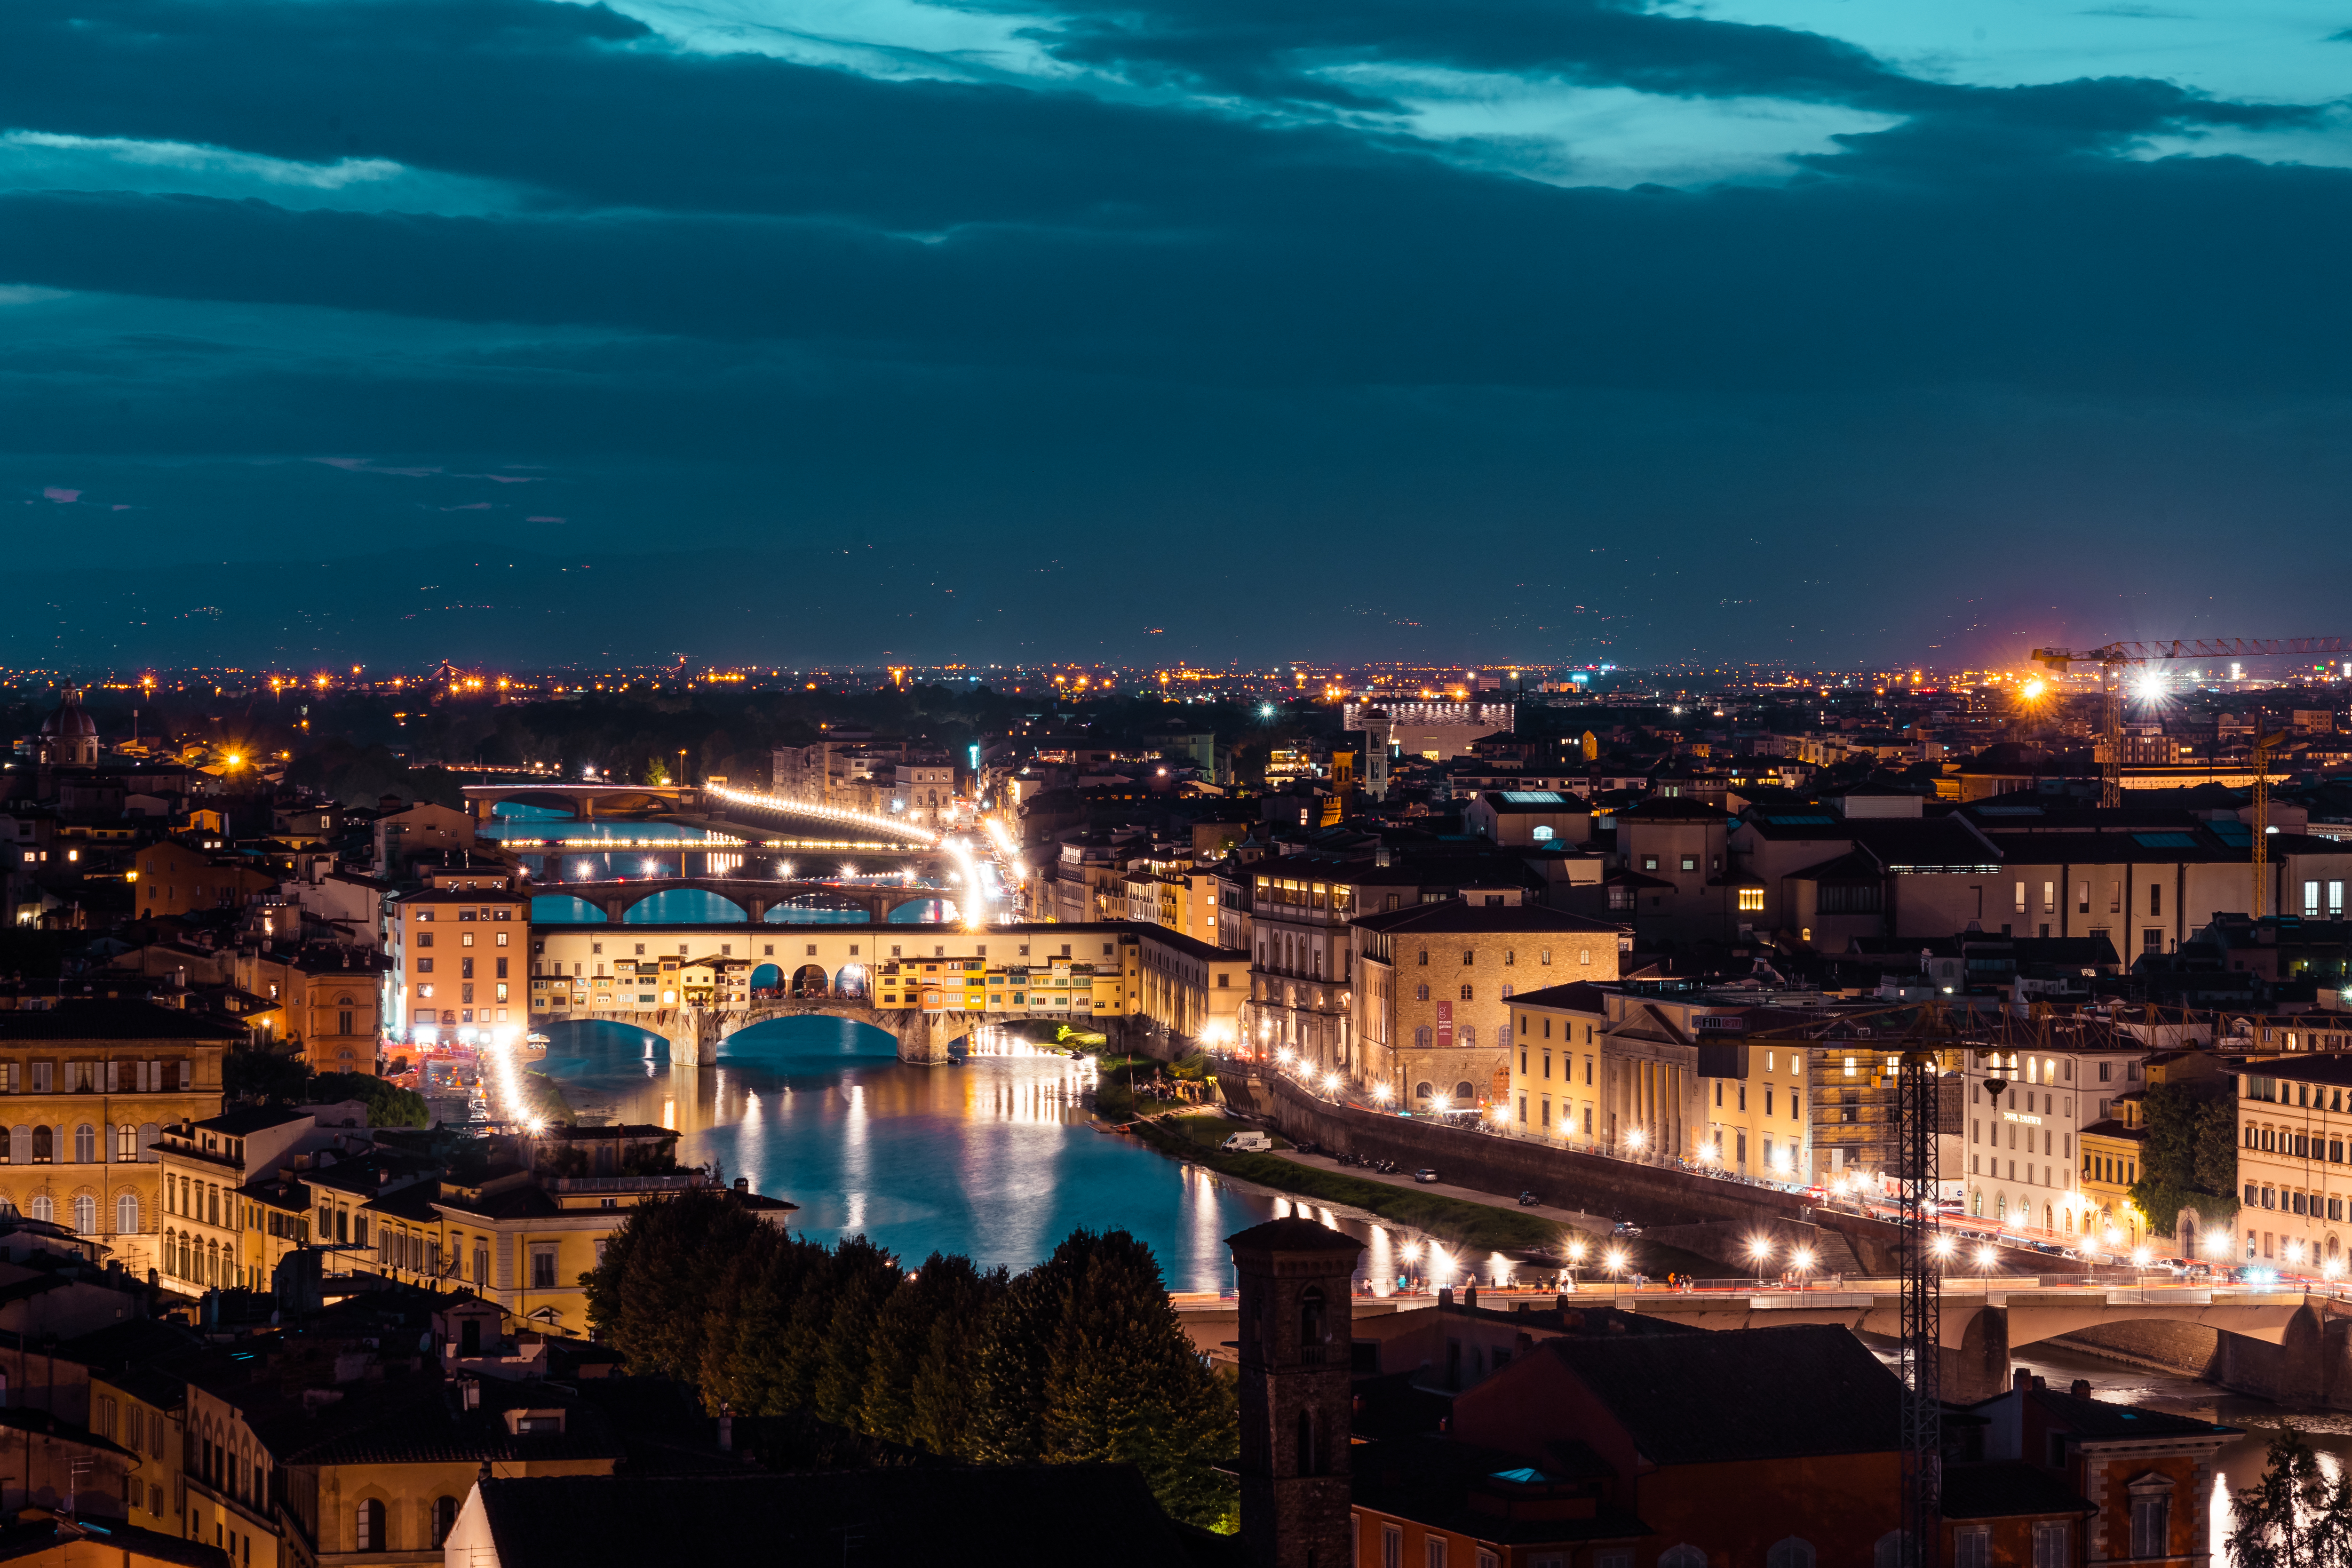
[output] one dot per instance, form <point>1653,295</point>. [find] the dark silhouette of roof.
<point>113,1020</point>
<point>2006,1491</point>
<point>1293,1235</point>
<point>1741,1394</point>
<point>1033,1516</point>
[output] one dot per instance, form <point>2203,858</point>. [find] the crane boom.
<point>2190,647</point>
<point>2114,656</point>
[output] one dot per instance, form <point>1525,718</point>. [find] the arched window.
<point>1467,1035</point>
<point>1421,1091</point>
<point>147,1131</point>
<point>1462,1093</point>
<point>1421,1037</point>
<point>1683,1556</point>
<point>445,1518</point>
<point>126,1214</point>
<point>1310,1325</point>
<point>44,1145</point>
<point>43,1209</point>
<point>85,1215</point>
<point>367,1527</point>
<point>1790,1552</point>
<point>20,1145</point>
<point>85,1144</point>
<point>1889,1551</point>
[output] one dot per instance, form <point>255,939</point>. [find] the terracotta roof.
<point>1740,1394</point>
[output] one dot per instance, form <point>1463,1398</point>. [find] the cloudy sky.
<point>1478,330</point>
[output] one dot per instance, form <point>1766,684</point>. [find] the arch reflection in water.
<point>996,1159</point>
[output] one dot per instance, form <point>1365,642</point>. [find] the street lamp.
<point>1760,1252</point>
<point>1575,1258</point>
<point>1615,1264</point>
<point>1801,1260</point>
<point>1635,1139</point>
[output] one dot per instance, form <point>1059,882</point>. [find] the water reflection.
<point>997,1159</point>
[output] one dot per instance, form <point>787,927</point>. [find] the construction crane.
<point>2110,661</point>
<point>2262,823</point>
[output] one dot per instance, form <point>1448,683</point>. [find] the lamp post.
<point>1760,1252</point>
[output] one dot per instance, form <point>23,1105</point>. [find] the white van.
<point>1247,1142</point>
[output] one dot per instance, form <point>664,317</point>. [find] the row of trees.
<point>1078,1359</point>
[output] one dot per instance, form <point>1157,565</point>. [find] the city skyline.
<point>904,332</point>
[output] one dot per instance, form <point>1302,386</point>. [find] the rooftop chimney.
<point>2080,1388</point>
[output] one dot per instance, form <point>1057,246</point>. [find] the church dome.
<point>69,723</point>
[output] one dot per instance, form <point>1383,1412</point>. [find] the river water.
<point>995,1159</point>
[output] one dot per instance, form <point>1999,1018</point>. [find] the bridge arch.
<point>811,980</point>
<point>684,906</point>
<point>562,908</point>
<point>766,977</point>
<point>930,909</point>
<point>853,982</point>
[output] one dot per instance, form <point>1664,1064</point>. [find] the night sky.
<point>1491,330</point>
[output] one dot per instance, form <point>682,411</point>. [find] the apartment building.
<point>216,1234</point>
<point>2291,1130</point>
<point>1431,985</point>
<point>2023,1149</point>
<point>89,1085</point>
<point>459,960</point>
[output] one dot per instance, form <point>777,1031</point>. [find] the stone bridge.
<point>694,1034</point>
<point>754,896</point>
<point>582,798</point>
<point>2272,1344</point>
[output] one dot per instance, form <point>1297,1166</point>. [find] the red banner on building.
<point>1444,1024</point>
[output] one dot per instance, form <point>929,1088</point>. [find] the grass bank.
<point>1476,1225</point>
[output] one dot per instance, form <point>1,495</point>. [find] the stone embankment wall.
<point>1596,1183</point>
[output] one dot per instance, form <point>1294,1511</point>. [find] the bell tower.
<point>1296,1397</point>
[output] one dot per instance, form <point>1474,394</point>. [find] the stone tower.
<point>1296,1394</point>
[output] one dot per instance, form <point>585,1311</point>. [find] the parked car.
<point>1424,1174</point>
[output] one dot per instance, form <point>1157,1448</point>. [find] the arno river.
<point>994,1159</point>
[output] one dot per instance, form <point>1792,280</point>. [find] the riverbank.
<point>1474,1226</point>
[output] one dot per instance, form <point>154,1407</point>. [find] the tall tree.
<point>2296,1516</point>
<point>666,1259</point>
<point>866,1278</point>
<point>903,1340</point>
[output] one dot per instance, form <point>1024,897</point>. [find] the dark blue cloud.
<point>1220,354</point>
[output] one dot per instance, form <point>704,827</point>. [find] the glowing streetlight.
<point>1282,1056</point>
<point>1438,1103</point>
<point>1944,1248</point>
<point>1382,1093</point>
<point>1801,1260</point>
<point>2333,1268</point>
<point>1635,1139</point>
<point>1987,1258</point>
<point>1330,1083</point>
<point>2140,1256</point>
<point>1760,1252</point>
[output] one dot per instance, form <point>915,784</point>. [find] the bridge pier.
<point>923,1037</point>
<point>2295,1369</point>
<point>1978,1367</point>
